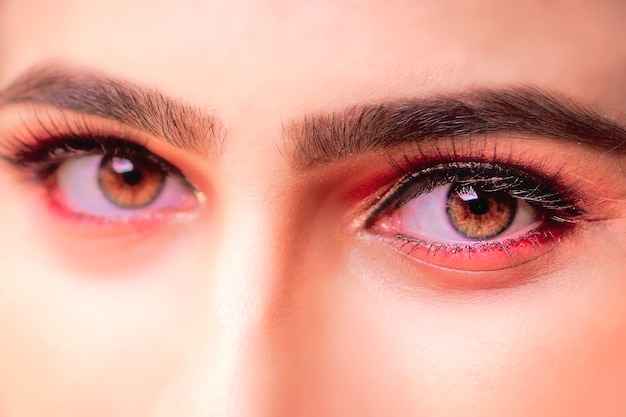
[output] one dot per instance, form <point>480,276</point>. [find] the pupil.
<point>127,170</point>
<point>479,205</point>
<point>132,177</point>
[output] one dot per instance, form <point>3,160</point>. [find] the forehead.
<point>281,55</point>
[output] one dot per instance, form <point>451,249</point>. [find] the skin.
<point>269,301</point>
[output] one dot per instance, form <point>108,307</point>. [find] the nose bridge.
<point>256,290</point>
<point>233,370</point>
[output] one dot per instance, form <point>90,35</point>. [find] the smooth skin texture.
<point>272,299</point>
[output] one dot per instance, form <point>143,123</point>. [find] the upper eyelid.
<point>52,130</point>
<point>389,200</point>
<point>44,143</point>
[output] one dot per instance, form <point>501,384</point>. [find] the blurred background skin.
<point>262,305</point>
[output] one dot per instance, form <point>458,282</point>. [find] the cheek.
<point>77,331</point>
<point>75,344</point>
<point>558,344</point>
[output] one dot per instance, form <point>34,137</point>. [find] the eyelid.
<point>28,130</point>
<point>438,174</point>
<point>37,147</point>
<point>546,162</point>
<point>36,128</point>
<point>541,158</point>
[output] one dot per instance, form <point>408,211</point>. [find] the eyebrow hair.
<point>325,138</point>
<point>178,124</point>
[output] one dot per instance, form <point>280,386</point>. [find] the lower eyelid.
<point>483,257</point>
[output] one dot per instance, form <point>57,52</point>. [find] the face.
<point>312,209</point>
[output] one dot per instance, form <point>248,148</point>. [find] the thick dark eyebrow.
<point>325,138</point>
<point>86,93</point>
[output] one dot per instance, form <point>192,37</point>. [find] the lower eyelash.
<point>485,256</point>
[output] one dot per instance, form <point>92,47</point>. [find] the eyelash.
<point>41,156</point>
<point>42,148</point>
<point>521,183</point>
<point>560,207</point>
<point>45,144</point>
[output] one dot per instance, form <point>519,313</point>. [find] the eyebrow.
<point>178,124</point>
<point>324,138</point>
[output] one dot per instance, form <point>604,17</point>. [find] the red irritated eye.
<point>473,216</point>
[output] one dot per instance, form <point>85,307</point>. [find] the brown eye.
<point>477,214</point>
<point>130,182</point>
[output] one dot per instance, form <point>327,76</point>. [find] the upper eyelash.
<point>547,193</point>
<point>37,139</point>
<point>73,136</point>
<point>45,156</point>
<point>41,153</point>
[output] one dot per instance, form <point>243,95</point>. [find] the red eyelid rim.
<point>481,257</point>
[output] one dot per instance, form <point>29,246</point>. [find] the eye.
<point>474,216</point>
<point>108,180</point>
<point>119,187</point>
<point>460,212</point>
